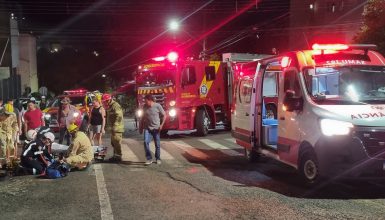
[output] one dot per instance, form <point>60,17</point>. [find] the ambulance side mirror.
<point>291,102</point>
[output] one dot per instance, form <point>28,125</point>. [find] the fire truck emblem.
<point>203,90</point>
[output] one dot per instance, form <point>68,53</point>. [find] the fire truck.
<point>195,94</point>
<point>326,114</point>
<point>80,98</point>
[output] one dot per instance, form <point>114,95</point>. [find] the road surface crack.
<point>186,182</point>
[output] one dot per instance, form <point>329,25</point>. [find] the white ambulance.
<point>321,111</point>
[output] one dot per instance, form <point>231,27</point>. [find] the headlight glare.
<point>139,113</point>
<point>172,103</point>
<point>331,127</point>
<point>172,112</point>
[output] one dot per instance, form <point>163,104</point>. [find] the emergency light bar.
<point>172,57</point>
<point>77,91</point>
<point>330,47</point>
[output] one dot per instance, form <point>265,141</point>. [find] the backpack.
<point>57,170</point>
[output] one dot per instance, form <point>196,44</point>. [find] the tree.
<point>373,30</point>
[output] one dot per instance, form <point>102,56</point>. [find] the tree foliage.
<point>373,30</point>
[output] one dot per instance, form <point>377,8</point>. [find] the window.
<point>270,84</point>
<point>188,75</point>
<point>245,90</point>
<point>292,82</point>
<point>210,73</point>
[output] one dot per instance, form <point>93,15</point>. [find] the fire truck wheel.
<point>163,133</point>
<point>202,123</point>
<point>308,168</point>
<point>251,155</point>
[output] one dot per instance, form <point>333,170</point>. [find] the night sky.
<point>118,29</point>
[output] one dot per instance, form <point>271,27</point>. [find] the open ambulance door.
<point>288,119</point>
<point>243,114</point>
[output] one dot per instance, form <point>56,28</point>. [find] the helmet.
<point>8,109</point>
<point>31,135</point>
<point>106,97</point>
<point>50,136</point>
<point>72,127</point>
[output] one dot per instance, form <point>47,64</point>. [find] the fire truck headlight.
<point>172,112</point>
<point>331,127</point>
<point>139,113</point>
<point>172,103</point>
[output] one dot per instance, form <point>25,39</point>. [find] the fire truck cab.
<point>192,92</point>
<point>321,111</point>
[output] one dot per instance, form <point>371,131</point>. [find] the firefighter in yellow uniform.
<point>8,131</point>
<point>80,152</point>
<point>115,120</point>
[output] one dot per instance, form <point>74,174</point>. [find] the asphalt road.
<point>199,178</point>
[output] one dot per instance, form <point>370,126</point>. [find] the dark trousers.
<point>32,166</point>
<point>63,133</point>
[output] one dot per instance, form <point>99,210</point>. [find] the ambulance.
<point>320,111</point>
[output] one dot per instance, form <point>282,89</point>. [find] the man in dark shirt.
<point>151,125</point>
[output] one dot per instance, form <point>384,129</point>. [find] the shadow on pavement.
<point>274,176</point>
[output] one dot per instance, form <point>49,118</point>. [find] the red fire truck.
<point>195,94</point>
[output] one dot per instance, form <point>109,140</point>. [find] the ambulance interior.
<point>269,120</point>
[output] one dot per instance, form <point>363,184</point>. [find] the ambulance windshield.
<point>156,78</point>
<point>350,85</point>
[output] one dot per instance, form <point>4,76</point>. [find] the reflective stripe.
<point>28,149</point>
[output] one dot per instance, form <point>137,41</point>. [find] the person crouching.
<point>80,152</point>
<point>35,158</point>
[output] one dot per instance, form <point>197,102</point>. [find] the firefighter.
<point>115,120</point>
<point>80,152</point>
<point>36,156</point>
<point>8,132</point>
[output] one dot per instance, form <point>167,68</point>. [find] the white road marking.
<point>104,199</point>
<point>224,149</point>
<point>128,154</point>
<point>181,144</point>
<point>232,140</point>
<point>164,155</point>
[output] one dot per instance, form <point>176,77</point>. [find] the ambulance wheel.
<point>308,168</point>
<point>202,123</point>
<point>251,155</point>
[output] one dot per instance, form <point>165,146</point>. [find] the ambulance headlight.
<point>331,127</point>
<point>47,116</point>
<point>172,112</point>
<point>172,103</point>
<point>139,113</point>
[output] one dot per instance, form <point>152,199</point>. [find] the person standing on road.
<point>33,117</point>
<point>18,119</point>
<point>80,152</point>
<point>68,115</point>
<point>97,122</point>
<point>8,129</point>
<point>151,125</point>
<point>115,120</point>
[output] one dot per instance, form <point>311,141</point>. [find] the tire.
<point>202,123</point>
<point>271,110</point>
<point>309,168</point>
<point>251,155</point>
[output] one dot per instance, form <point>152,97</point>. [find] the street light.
<point>104,76</point>
<point>174,25</point>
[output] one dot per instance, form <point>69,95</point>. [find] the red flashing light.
<point>158,59</point>
<point>319,52</point>
<point>330,47</point>
<point>172,57</point>
<point>140,67</point>
<point>285,62</point>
